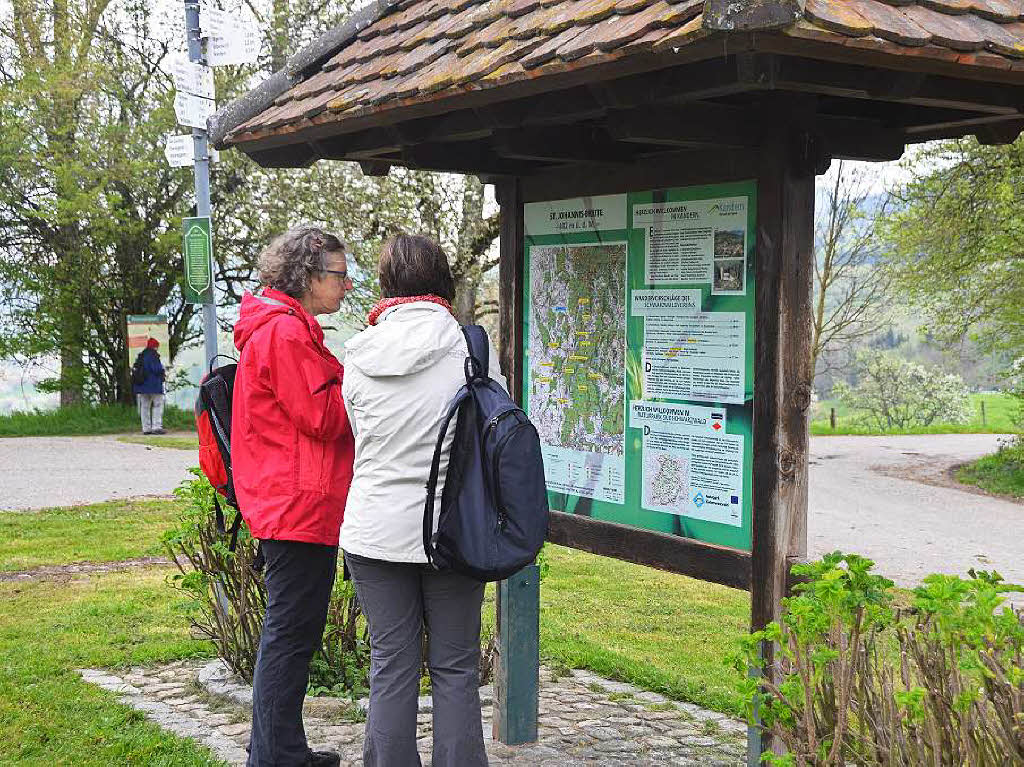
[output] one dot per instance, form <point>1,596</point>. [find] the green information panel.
<point>198,252</point>
<point>639,356</point>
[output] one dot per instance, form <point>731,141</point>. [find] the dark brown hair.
<point>414,265</point>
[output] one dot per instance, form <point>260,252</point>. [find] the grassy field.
<point>662,632</point>
<point>175,441</point>
<point>102,532</point>
<point>1001,473</point>
<point>48,629</point>
<point>87,419</point>
<point>1001,412</point>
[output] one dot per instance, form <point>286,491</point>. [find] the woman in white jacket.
<point>401,373</point>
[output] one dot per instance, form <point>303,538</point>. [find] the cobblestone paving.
<point>584,720</point>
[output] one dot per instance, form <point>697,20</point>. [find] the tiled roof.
<point>425,50</point>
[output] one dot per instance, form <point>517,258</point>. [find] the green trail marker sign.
<point>198,251</point>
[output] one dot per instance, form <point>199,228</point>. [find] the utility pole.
<point>202,181</point>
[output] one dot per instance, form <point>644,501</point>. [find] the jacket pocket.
<point>311,459</point>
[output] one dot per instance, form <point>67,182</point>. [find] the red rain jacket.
<point>291,443</point>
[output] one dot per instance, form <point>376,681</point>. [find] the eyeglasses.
<point>343,275</point>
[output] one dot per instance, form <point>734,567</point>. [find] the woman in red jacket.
<point>291,450</point>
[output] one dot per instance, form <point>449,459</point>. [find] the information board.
<point>639,356</point>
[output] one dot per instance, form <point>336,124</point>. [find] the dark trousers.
<point>397,600</point>
<point>299,578</point>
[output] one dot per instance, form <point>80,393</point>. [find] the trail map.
<point>577,332</point>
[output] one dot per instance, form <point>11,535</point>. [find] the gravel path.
<point>893,499</point>
<point>37,472</point>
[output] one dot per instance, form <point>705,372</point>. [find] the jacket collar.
<point>270,295</point>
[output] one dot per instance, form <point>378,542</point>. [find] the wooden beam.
<point>989,126</point>
<point>782,371</point>
<point>374,168</point>
<point>556,108</point>
<point>852,81</point>
<point>468,158</point>
<point>848,138</point>
<point>511,258</point>
<point>291,156</point>
<point>580,144</point>
<point>693,125</point>
<point>666,170</point>
<point>719,564</point>
<point>461,125</point>
<point>354,146</point>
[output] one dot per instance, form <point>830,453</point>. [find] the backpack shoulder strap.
<point>479,351</point>
<point>435,467</point>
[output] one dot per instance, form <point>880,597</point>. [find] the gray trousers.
<point>398,599</point>
<point>151,411</point>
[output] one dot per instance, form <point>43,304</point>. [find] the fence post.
<point>982,412</point>
<point>832,418</point>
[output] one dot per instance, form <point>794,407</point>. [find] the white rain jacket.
<point>400,376</point>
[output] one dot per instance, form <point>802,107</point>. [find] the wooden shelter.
<point>552,99</point>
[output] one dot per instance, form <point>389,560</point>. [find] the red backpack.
<point>213,423</point>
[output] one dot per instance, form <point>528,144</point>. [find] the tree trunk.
<point>465,300</point>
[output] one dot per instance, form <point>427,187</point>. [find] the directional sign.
<point>230,39</point>
<point>198,253</point>
<point>180,151</point>
<point>193,110</point>
<point>191,77</point>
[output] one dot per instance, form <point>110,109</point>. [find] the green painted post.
<point>517,675</point>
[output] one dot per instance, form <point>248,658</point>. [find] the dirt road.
<point>893,499</point>
<point>37,472</point>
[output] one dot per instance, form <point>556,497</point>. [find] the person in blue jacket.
<point>150,391</point>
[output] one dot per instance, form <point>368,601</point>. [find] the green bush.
<point>225,599</point>
<point>858,679</point>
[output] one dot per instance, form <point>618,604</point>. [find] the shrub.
<point>860,680</point>
<point>226,598</point>
<point>893,393</point>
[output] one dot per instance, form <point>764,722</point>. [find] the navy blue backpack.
<point>494,507</point>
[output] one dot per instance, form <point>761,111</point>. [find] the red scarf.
<point>386,303</point>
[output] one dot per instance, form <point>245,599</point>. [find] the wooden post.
<point>782,377</point>
<point>982,413</point>
<point>832,418</point>
<point>517,673</point>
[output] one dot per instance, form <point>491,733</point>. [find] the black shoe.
<point>160,430</point>
<point>323,759</point>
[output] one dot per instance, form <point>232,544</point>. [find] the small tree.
<point>850,288</point>
<point>893,393</point>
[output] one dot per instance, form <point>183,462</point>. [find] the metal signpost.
<point>229,41</point>
<point>198,107</point>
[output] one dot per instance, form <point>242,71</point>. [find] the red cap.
<point>152,343</point>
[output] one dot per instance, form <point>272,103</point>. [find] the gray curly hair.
<point>291,259</point>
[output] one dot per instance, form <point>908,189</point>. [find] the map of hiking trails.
<point>577,345</point>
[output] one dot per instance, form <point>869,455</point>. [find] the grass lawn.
<point>48,715</point>
<point>663,632</point>
<point>102,532</point>
<point>176,441</point>
<point>87,419</point>
<point>1001,412</point>
<point>1001,472</point>
<point>659,631</point>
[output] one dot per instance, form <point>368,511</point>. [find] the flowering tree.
<point>894,393</point>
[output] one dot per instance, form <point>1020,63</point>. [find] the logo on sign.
<point>698,500</point>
